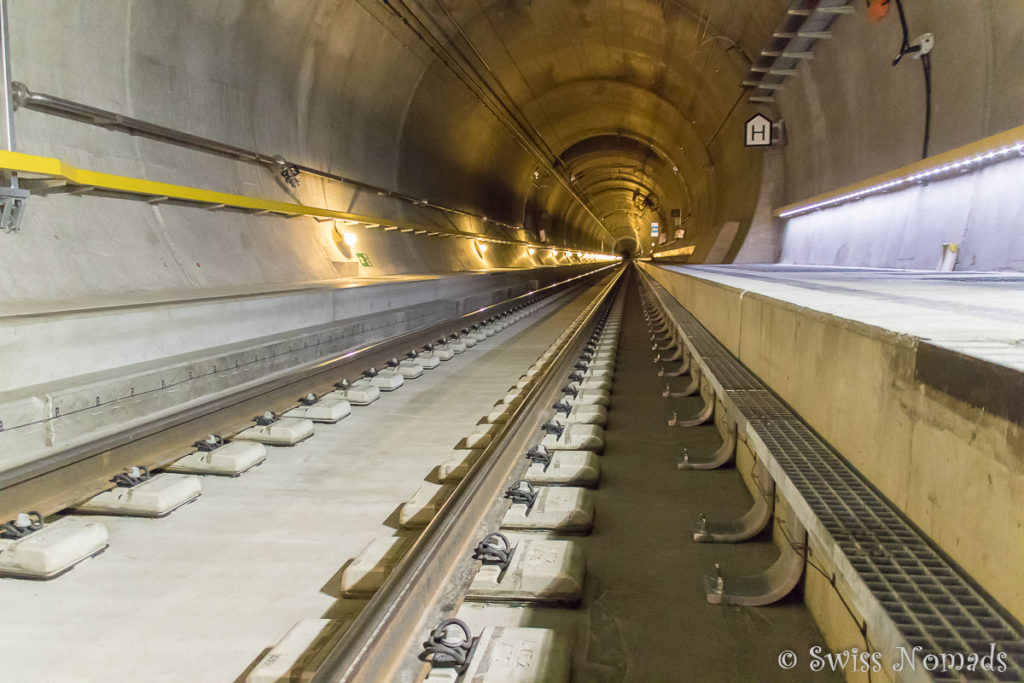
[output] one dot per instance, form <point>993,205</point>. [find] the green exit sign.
<point>363,259</point>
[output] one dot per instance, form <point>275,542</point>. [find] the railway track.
<point>52,483</point>
<point>465,551</point>
<point>435,572</point>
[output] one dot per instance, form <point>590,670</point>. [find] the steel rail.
<point>383,349</point>
<point>432,578</point>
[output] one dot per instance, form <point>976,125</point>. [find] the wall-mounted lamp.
<point>350,238</point>
<point>972,157</point>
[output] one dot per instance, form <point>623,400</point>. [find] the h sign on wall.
<point>758,131</point>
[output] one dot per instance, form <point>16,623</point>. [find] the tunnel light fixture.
<point>350,238</point>
<point>681,251</point>
<point>972,157</point>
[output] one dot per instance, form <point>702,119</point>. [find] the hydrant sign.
<point>758,131</point>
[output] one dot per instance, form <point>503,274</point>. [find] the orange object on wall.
<point>878,9</point>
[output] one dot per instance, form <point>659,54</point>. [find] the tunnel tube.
<point>486,149</point>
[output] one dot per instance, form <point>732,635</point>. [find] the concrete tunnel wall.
<point>338,86</point>
<point>220,70</point>
<point>850,114</point>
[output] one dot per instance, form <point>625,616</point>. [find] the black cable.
<point>484,93</point>
<point>905,46</point>
<point>926,65</point>
<point>797,547</point>
<point>831,579</point>
<point>459,71</point>
<point>506,101</point>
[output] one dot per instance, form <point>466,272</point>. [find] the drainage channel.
<point>276,531</point>
<point>902,593</point>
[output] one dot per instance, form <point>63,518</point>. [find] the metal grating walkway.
<point>731,375</point>
<point>933,606</point>
<point>930,604</point>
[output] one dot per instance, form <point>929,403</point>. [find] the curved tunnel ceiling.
<point>627,182</point>
<point>615,99</point>
<point>577,122</point>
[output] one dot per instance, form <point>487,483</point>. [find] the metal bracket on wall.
<point>769,586</point>
<point>748,525</point>
<point>12,208</point>
<point>12,199</point>
<point>720,457</point>
<point>706,412</point>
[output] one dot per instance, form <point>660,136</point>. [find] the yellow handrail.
<point>50,168</point>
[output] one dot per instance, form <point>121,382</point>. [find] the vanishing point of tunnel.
<point>511,341</point>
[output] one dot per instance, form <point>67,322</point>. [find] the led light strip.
<point>984,152</point>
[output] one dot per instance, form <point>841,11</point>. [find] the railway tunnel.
<point>495,340</point>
